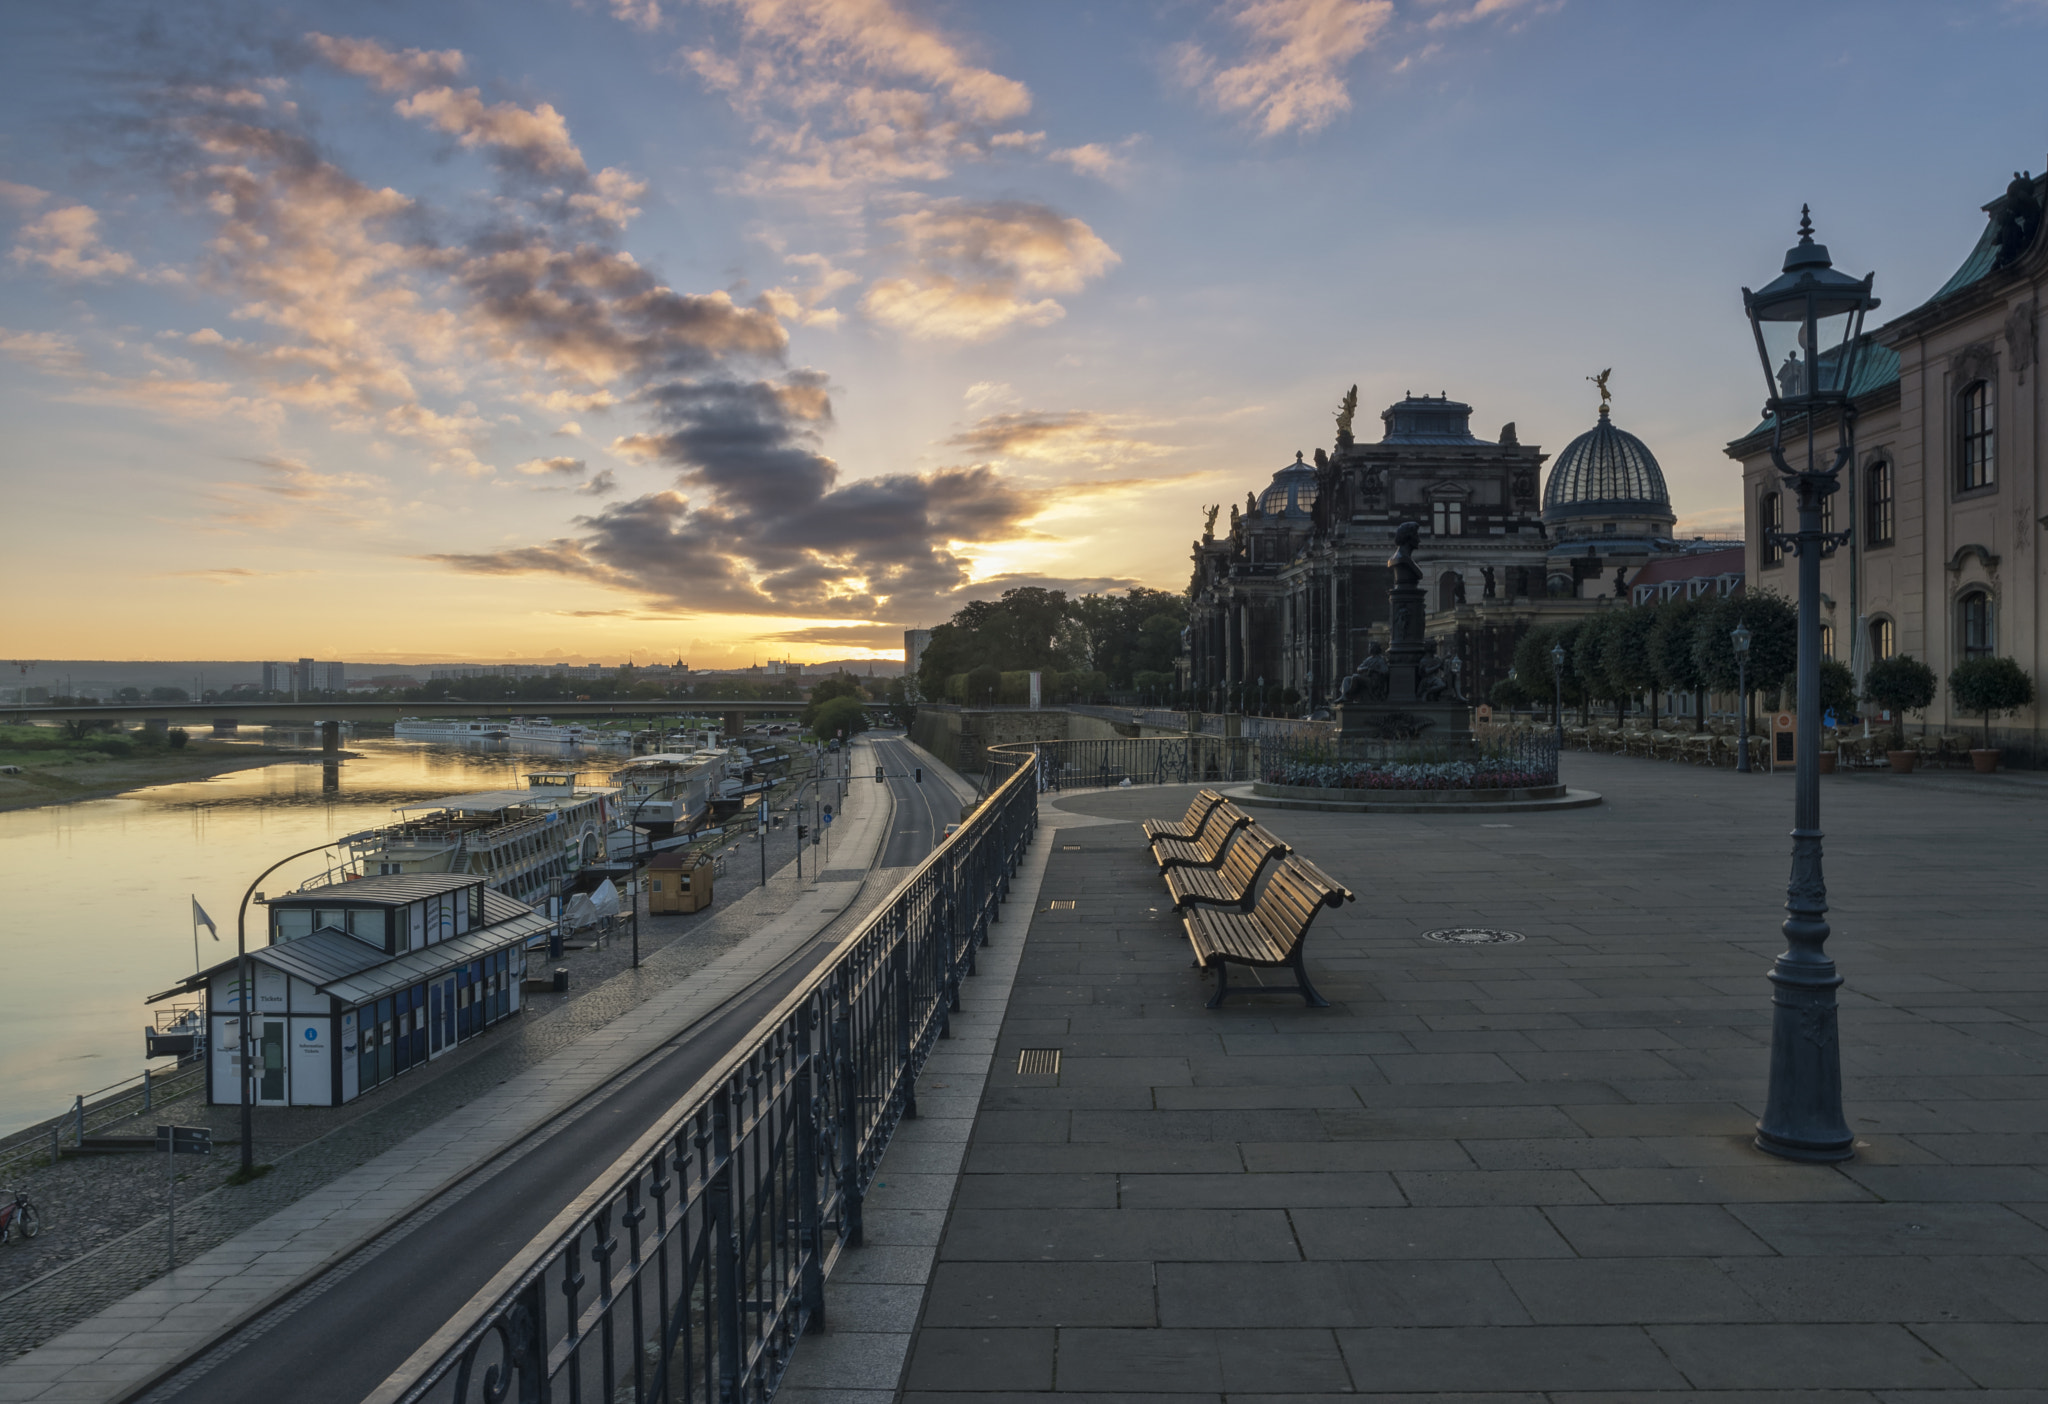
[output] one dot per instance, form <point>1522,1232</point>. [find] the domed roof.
<point>1293,490</point>
<point>1606,472</point>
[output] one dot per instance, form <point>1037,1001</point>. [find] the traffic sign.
<point>185,1140</point>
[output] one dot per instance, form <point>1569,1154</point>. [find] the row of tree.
<point>1688,646</point>
<point>1085,646</point>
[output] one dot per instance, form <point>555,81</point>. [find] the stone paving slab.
<point>138,1338</point>
<point>1520,1172</point>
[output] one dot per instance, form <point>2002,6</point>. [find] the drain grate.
<point>1038,1062</point>
<point>1472,936</point>
<point>1063,906</point>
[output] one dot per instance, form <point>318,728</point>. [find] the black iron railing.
<point>1119,760</point>
<point>688,1272</point>
<point>1507,761</point>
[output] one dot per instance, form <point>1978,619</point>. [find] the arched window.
<point>1827,641</point>
<point>1770,517</point>
<point>1447,590</point>
<point>1877,505</point>
<point>1976,461</point>
<point>1883,641</point>
<point>1973,613</point>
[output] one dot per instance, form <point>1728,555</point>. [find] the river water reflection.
<point>99,892</point>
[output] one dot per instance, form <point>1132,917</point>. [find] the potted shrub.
<point>1899,684</point>
<point>1984,686</point>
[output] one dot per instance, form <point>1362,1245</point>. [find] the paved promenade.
<point>1516,1172</point>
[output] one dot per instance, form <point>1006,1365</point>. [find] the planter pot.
<point>1827,762</point>
<point>1903,761</point>
<point>1986,762</point>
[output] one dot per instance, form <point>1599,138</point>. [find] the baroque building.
<point>1291,594</point>
<point>1944,502</point>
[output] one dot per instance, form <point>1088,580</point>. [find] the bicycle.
<point>20,1219</point>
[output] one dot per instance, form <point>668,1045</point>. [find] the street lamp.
<point>1557,685</point>
<point>1809,308</point>
<point>1740,634</point>
<point>1262,694</point>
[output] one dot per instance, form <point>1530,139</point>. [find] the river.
<point>101,891</point>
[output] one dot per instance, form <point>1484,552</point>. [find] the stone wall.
<point>959,737</point>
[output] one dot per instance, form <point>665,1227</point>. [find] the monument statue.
<point>1368,681</point>
<point>1791,376</point>
<point>1432,679</point>
<point>1601,381</point>
<point>1251,505</point>
<point>2018,218</point>
<point>1620,582</point>
<point>1458,588</point>
<point>1486,574</point>
<point>1209,526</point>
<point>1346,411</point>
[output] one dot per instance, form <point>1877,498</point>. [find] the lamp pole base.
<point>1802,1117</point>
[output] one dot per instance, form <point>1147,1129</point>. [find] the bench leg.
<point>1222,984</point>
<point>1309,994</point>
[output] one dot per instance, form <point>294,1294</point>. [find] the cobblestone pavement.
<point>105,1234</point>
<point>1519,1172</point>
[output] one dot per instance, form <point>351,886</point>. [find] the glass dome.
<point>1292,492</point>
<point>1606,472</point>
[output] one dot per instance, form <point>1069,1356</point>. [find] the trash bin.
<point>561,979</point>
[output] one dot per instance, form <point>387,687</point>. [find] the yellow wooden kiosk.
<point>678,882</point>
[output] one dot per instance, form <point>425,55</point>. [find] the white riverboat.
<point>545,729</point>
<point>449,729</point>
<point>521,842</point>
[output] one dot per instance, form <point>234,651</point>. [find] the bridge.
<point>311,714</point>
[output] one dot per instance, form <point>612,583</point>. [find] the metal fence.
<point>688,1272</point>
<point>1503,761</point>
<point>93,1112</point>
<point>1299,757</point>
<point>1116,761</point>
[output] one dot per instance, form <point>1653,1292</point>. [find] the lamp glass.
<point>1741,635</point>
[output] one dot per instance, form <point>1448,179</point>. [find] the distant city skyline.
<point>735,328</point>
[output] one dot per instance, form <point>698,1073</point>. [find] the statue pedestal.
<point>1404,731</point>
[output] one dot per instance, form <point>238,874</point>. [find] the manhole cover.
<point>1472,936</point>
<point>1038,1062</point>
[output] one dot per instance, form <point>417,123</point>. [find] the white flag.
<point>200,918</point>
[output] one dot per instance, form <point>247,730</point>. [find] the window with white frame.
<point>1447,518</point>
<point>1976,440</point>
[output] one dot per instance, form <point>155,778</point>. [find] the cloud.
<point>601,484</point>
<point>540,467</point>
<point>22,197</point>
<point>228,575</point>
<point>1069,437</point>
<point>66,241</point>
<point>971,269</point>
<point>530,143</point>
<point>1094,159</point>
<point>46,351</point>
<point>803,304</point>
<point>1291,75</point>
<point>852,93</point>
<point>1453,15</point>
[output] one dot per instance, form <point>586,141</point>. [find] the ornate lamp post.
<point>1809,327</point>
<point>1740,635</point>
<point>1557,685</point>
<point>1262,694</point>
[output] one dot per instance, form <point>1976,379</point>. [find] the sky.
<point>736,329</point>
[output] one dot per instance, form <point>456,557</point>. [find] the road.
<point>336,1339</point>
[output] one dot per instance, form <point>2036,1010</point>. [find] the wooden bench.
<point>1271,933</point>
<point>1189,828</point>
<point>1231,885</point>
<point>1206,851</point>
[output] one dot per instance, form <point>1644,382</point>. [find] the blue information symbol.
<point>312,1034</point>
<point>1828,719</point>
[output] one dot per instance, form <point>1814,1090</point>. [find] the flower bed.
<point>1423,775</point>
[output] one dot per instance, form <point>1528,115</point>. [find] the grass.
<point>254,1172</point>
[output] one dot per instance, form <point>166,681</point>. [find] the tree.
<point>169,694</point>
<point>1837,688</point>
<point>1987,685</point>
<point>829,690</point>
<point>1589,660</point>
<point>1899,684</point>
<point>1625,652</point>
<point>1508,694</point>
<point>1671,654</point>
<point>1773,625</point>
<point>840,714</point>
<point>984,684</point>
<point>1533,663</point>
<point>902,710</point>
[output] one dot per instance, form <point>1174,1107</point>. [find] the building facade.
<point>1291,595</point>
<point>1944,500</point>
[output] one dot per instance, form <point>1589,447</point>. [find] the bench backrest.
<point>1294,892</point>
<point>1199,810</point>
<point>1224,820</point>
<point>1254,846</point>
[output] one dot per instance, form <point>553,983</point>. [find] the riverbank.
<point>59,778</point>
